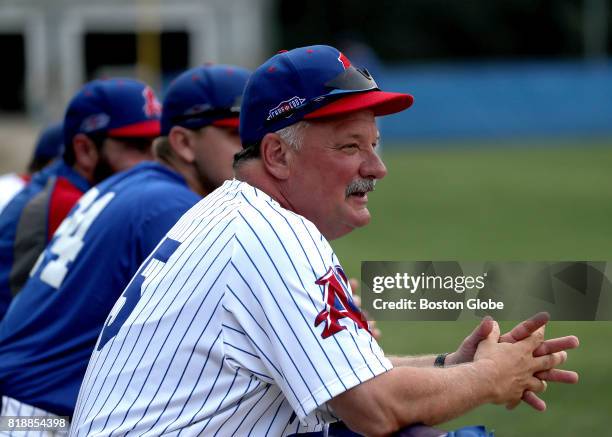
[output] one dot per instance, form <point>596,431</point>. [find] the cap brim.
<point>145,129</point>
<point>380,102</point>
<point>227,122</point>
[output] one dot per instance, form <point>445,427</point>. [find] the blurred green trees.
<point>447,29</point>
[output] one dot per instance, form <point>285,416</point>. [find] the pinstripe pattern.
<point>222,340</point>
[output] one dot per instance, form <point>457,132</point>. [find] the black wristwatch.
<point>440,359</point>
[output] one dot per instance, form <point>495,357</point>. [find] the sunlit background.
<point>505,155</point>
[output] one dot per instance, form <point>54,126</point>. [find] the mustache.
<point>360,185</point>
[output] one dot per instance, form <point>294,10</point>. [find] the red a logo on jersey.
<point>152,107</point>
<point>338,303</point>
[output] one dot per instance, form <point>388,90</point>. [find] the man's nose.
<point>373,167</point>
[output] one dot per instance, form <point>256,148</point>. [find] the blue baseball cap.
<point>203,96</point>
<point>115,108</point>
<point>50,143</point>
<point>309,83</point>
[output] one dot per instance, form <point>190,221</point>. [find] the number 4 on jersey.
<point>68,239</point>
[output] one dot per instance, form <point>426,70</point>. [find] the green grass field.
<point>500,204</point>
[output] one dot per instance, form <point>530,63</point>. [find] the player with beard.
<point>108,127</point>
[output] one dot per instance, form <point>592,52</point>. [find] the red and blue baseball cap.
<point>203,96</point>
<point>309,83</point>
<point>123,108</point>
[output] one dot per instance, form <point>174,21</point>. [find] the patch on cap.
<point>95,122</point>
<point>285,106</point>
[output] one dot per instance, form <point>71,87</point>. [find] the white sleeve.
<point>283,278</point>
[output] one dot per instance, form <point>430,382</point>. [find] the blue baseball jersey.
<point>14,212</point>
<point>51,327</point>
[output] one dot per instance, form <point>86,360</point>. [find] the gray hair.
<point>294,134</point>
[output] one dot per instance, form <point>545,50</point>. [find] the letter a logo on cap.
<point>152,107</point>
<point>344,60</point>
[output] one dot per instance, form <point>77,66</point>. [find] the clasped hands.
<point>485,343</point>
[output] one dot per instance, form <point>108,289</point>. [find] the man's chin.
<point>362,217</point>
<point>357,219</point>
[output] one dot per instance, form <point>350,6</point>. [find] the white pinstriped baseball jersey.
<point>239,323</point>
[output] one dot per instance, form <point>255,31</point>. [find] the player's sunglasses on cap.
<point>221,117</point>
<point>350,81</point>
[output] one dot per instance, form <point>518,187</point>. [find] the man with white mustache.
<point>247,326</point>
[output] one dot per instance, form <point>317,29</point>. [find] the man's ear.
<point>181,141</point>
<point>86,155</point>
<point>276,155</point>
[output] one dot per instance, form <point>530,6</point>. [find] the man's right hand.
<point>511,367</point>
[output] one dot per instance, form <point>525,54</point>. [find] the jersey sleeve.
<point>289,313</point>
